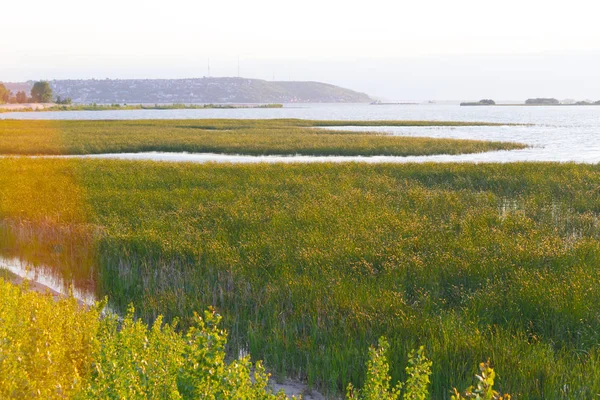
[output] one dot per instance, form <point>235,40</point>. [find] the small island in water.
<point>540,101</point>
<point>484,102</point>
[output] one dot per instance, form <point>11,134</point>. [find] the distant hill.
<point>203,90</point>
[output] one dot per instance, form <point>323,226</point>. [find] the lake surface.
<point>560,134</point>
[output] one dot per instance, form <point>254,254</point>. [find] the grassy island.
<point>250,137</point>
<point>484,102</point>
<point>533,102</point>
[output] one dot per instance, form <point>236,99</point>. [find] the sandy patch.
<point>16,271</point>
<point>296,388</point>
<point>35,286</point>
<point>24,106</point>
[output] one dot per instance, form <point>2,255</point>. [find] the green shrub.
<point>137,362</point>
<point>378,381</point>
<point>484,390</point>
<point>416,387</point>
<point>57,349</point>
<point>46,347</point>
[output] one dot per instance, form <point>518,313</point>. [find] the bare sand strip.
<point>32,285</point>
<point>26,106</point>
<point>296,388</point>
<point>41,280</point>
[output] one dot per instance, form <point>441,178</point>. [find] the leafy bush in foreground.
<point>134,361</point>
<point>46,347</point>
<point>51,349</point>
<point>416,387</point>
<point>377,382</point>
<point>485,387</point>
<point>57,349</point>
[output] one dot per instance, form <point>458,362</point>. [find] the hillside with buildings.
<point>202,90</point>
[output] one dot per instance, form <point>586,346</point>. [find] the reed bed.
<point>311,264</point>
<point>249,137</point>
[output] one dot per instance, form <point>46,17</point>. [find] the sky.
<point>427,49</point>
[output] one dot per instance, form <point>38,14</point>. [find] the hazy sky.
<point>395,49</point>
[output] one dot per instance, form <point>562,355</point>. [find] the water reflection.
<point>48,277</point>
<point>575,143</point>
<point>504,156</point>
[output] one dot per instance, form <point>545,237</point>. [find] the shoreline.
<point>17,271</point>
<point>33,285</point>
<point>23,107</point>
<point>40,107</point>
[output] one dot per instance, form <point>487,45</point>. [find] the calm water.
<point>559,133</point>
<point>47,276</point>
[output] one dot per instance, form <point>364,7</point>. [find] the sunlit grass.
<point>251,137</point>
<point>43,214</point>
<point>310,264</point>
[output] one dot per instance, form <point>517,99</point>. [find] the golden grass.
<point>251,137</point>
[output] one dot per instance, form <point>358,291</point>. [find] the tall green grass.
<point>311,264</point>
<point>251,137</point>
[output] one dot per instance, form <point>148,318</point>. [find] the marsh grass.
<point>250,137</point>
<point>311,264</point>
<point>43,215</point>
<point>68,250</point>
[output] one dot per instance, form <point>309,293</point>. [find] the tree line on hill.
<point>41,92</point>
